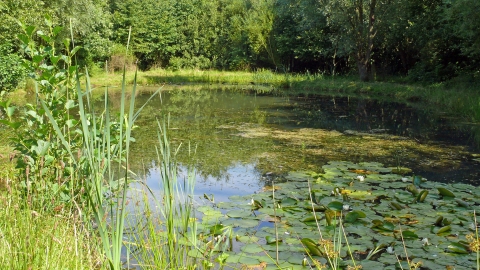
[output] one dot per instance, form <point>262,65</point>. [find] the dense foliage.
<point>428,40</point>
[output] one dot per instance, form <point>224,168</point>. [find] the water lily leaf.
<point>383,226</point>
<point>271,239</point>
<point>298,176</point>
<point>252,248</point>
<point>422,195</point>
<point>312,218</point>
<point>445,192</point>
<point>392,185</point>
<point>226,205</point>
<point>309,206</point>
<point>272,212</point>
<point>367,264</point>
<point>243,223</point>
<point>409,235</point>
<point>209,211</point>
<point>238,213</point>
<point>412,189</point>
<point>363,194</point>
<point>289,201</point>
<point>396,206</point>
<point>335,205</point>
<point>400,170</point>
<point>443,230</point>
<point>462,203</point>
<point>311,246</point>
<point>246,238</point>
<point>402,265</point>
<point>457,248</point>
<point>296,258</point>
<point>354,215</point>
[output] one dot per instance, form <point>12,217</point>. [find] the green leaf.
<point>335,205</point>
<point>239,213</point>
<point>409,235</point>
<point>37,59</point>
<point>23,38</point>
<point>217,229</point>
<point>56,30</point>
<point>311,246</point>
<point>29,30</point>
<point>271,239</point>
<point>457,248</point>
<point>351,217</point>
<point>70,104</point>
<point>445,192</point>
<point>443,229</point>
<point>75,50</point>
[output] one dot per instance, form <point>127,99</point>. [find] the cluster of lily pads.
<point>356,214</point>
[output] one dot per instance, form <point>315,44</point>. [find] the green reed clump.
<point>162,239</point>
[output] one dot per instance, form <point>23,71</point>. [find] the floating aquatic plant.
<point>430,220</point>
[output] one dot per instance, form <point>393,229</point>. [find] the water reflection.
<point>234,139</point>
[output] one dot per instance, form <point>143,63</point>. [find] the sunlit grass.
<point>166,76</point>
<point>32,239</point>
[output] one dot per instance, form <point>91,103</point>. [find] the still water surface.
<point>240,141</point>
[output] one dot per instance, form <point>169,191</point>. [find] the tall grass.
<point>35,239</point>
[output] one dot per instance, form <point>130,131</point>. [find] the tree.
<point>354,22</point>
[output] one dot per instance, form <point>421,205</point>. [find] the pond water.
<point>241,140</point>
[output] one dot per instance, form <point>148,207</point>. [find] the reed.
<point>162,239</point>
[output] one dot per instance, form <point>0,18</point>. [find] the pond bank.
<point>458,99</point>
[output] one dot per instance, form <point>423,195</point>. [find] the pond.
<point>242,138</point>
<point>242,141</point>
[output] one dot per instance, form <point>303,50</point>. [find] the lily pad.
<point>252,248</point>
<point>239,213</point>
<point>445,192</point>
<point>243,223</point>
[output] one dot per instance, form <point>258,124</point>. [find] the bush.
<point>11,70</point>
<point>118,59</point>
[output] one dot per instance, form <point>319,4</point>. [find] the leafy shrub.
<point>11,70</point>
<point>118,59</point>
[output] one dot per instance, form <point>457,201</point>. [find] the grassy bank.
<point>34,239</point>
<point>163,76</point>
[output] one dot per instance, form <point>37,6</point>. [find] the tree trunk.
<point>363,70</point>
<point>364,37</point>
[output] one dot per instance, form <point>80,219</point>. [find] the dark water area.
<point>243,140</point>
<point>357,115</point>
<point>345,113</point>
